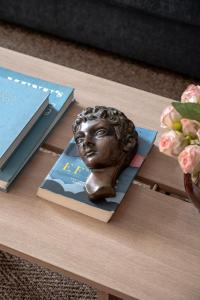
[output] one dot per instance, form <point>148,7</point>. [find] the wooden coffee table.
<point>151,248</point>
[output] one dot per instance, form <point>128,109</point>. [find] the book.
<point>60,98</point>
<point>65,182</point>
<point>20,109</point>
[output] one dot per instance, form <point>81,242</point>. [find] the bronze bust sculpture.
<point>106,141</point>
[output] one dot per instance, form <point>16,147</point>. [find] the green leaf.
<point>188,110</point>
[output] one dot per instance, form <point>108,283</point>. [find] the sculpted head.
<point>105,137</point>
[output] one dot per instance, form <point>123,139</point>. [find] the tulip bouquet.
<point>182,140</point>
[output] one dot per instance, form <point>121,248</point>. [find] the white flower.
<point>170,118</point>
<point>190,127</point>
<point>191,94</point>
<point>172,143</point>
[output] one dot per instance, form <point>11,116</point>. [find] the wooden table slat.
<point>158,168</point>
<point>149,250</point>
<point>142,107</point>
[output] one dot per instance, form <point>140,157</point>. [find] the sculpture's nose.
<point>88,140</point>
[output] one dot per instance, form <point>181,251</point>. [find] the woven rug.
<point>21,280</point>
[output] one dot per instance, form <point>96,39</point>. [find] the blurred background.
<point>94,61</point>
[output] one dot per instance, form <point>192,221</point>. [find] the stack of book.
<point>30,107</point>
<point>64,184</point>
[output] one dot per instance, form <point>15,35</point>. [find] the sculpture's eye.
<point>79,139</point>
<point>101,132</point>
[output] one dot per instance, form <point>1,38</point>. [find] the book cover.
<point>20,108</point>
<point>59,99</point>
<point>65,182</point>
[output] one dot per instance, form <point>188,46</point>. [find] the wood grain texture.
<point>149,250</point>
<point>102,296</point>
<point>139,105</point>
<point>164,171</point>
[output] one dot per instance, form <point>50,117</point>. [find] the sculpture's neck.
<point>101,183</point>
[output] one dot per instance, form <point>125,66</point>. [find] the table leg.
<point>110,297</point>
<point>105,296</point>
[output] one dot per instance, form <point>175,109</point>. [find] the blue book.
<point>65,182</point>
<point>20,108</point>
<point>59,99</point>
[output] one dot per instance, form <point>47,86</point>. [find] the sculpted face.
<point>97,144</point>
<point>106,141</point>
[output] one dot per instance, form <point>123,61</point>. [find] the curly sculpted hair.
<point>124,128</point>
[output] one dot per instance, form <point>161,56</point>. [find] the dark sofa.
<point>165,33</point>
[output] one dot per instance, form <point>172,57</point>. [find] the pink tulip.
<point>191,94</point>
<point>172,143</point>
<point>189,159</point>
<point>190,127</point>
<point>170,117</point>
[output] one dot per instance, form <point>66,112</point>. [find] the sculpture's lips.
<point>89,153</point>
